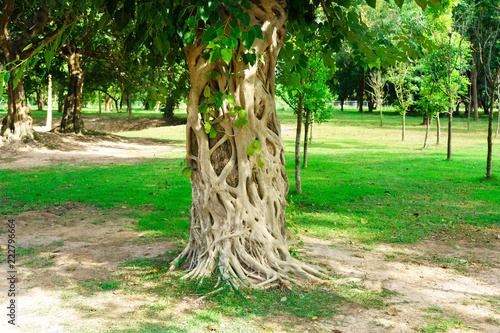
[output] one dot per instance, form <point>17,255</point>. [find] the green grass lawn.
<point>362,182</point>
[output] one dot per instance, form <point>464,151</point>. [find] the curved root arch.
<point>238,209</point>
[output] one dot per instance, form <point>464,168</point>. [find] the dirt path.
<point>75,245</point>
<point>54,148</point>
<point>68,247</point>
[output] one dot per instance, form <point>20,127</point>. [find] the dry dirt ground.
<point>434,280</point>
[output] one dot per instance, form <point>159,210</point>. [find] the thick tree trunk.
<point>341,105</point>
<point>300,114</point>
<point>39,100</point>
<point>238,208</point>
<point>306,134</point>
<point>18,122</point>
<point>72,114</point>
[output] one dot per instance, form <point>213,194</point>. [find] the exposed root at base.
<point>263,273</point>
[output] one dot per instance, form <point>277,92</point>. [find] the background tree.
<point>447,64</point>
<point>343,83</point>
<point>486,23</point>
<point>26,27</point>
<point>400,77</point>
<point>377,82</point>
<point>302,85</point>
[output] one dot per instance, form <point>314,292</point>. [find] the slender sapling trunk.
<point>306,134</point>
<point>450,121</point>
<point>438,129</point>
<point>300,112</point>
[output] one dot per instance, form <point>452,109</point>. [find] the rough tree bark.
<point>18,46</point>
<point>238,209</point>
<point>72,114</point>
<point>18,121</point>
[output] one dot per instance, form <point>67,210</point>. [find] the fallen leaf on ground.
<point>283,299</point>
<point>392,312</point>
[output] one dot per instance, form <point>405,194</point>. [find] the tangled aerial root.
<point>246,271</point>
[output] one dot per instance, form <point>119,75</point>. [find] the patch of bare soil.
<point>77,244</point>
<point>453,280</point>
<point>110,125</point>
<point>55,148</point>
<point>73,244</point>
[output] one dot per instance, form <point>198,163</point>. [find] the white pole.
<point>49,105</point>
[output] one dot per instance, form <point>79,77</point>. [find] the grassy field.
<point>362,182</point>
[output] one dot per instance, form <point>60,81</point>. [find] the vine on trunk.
<point>235,152</point>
